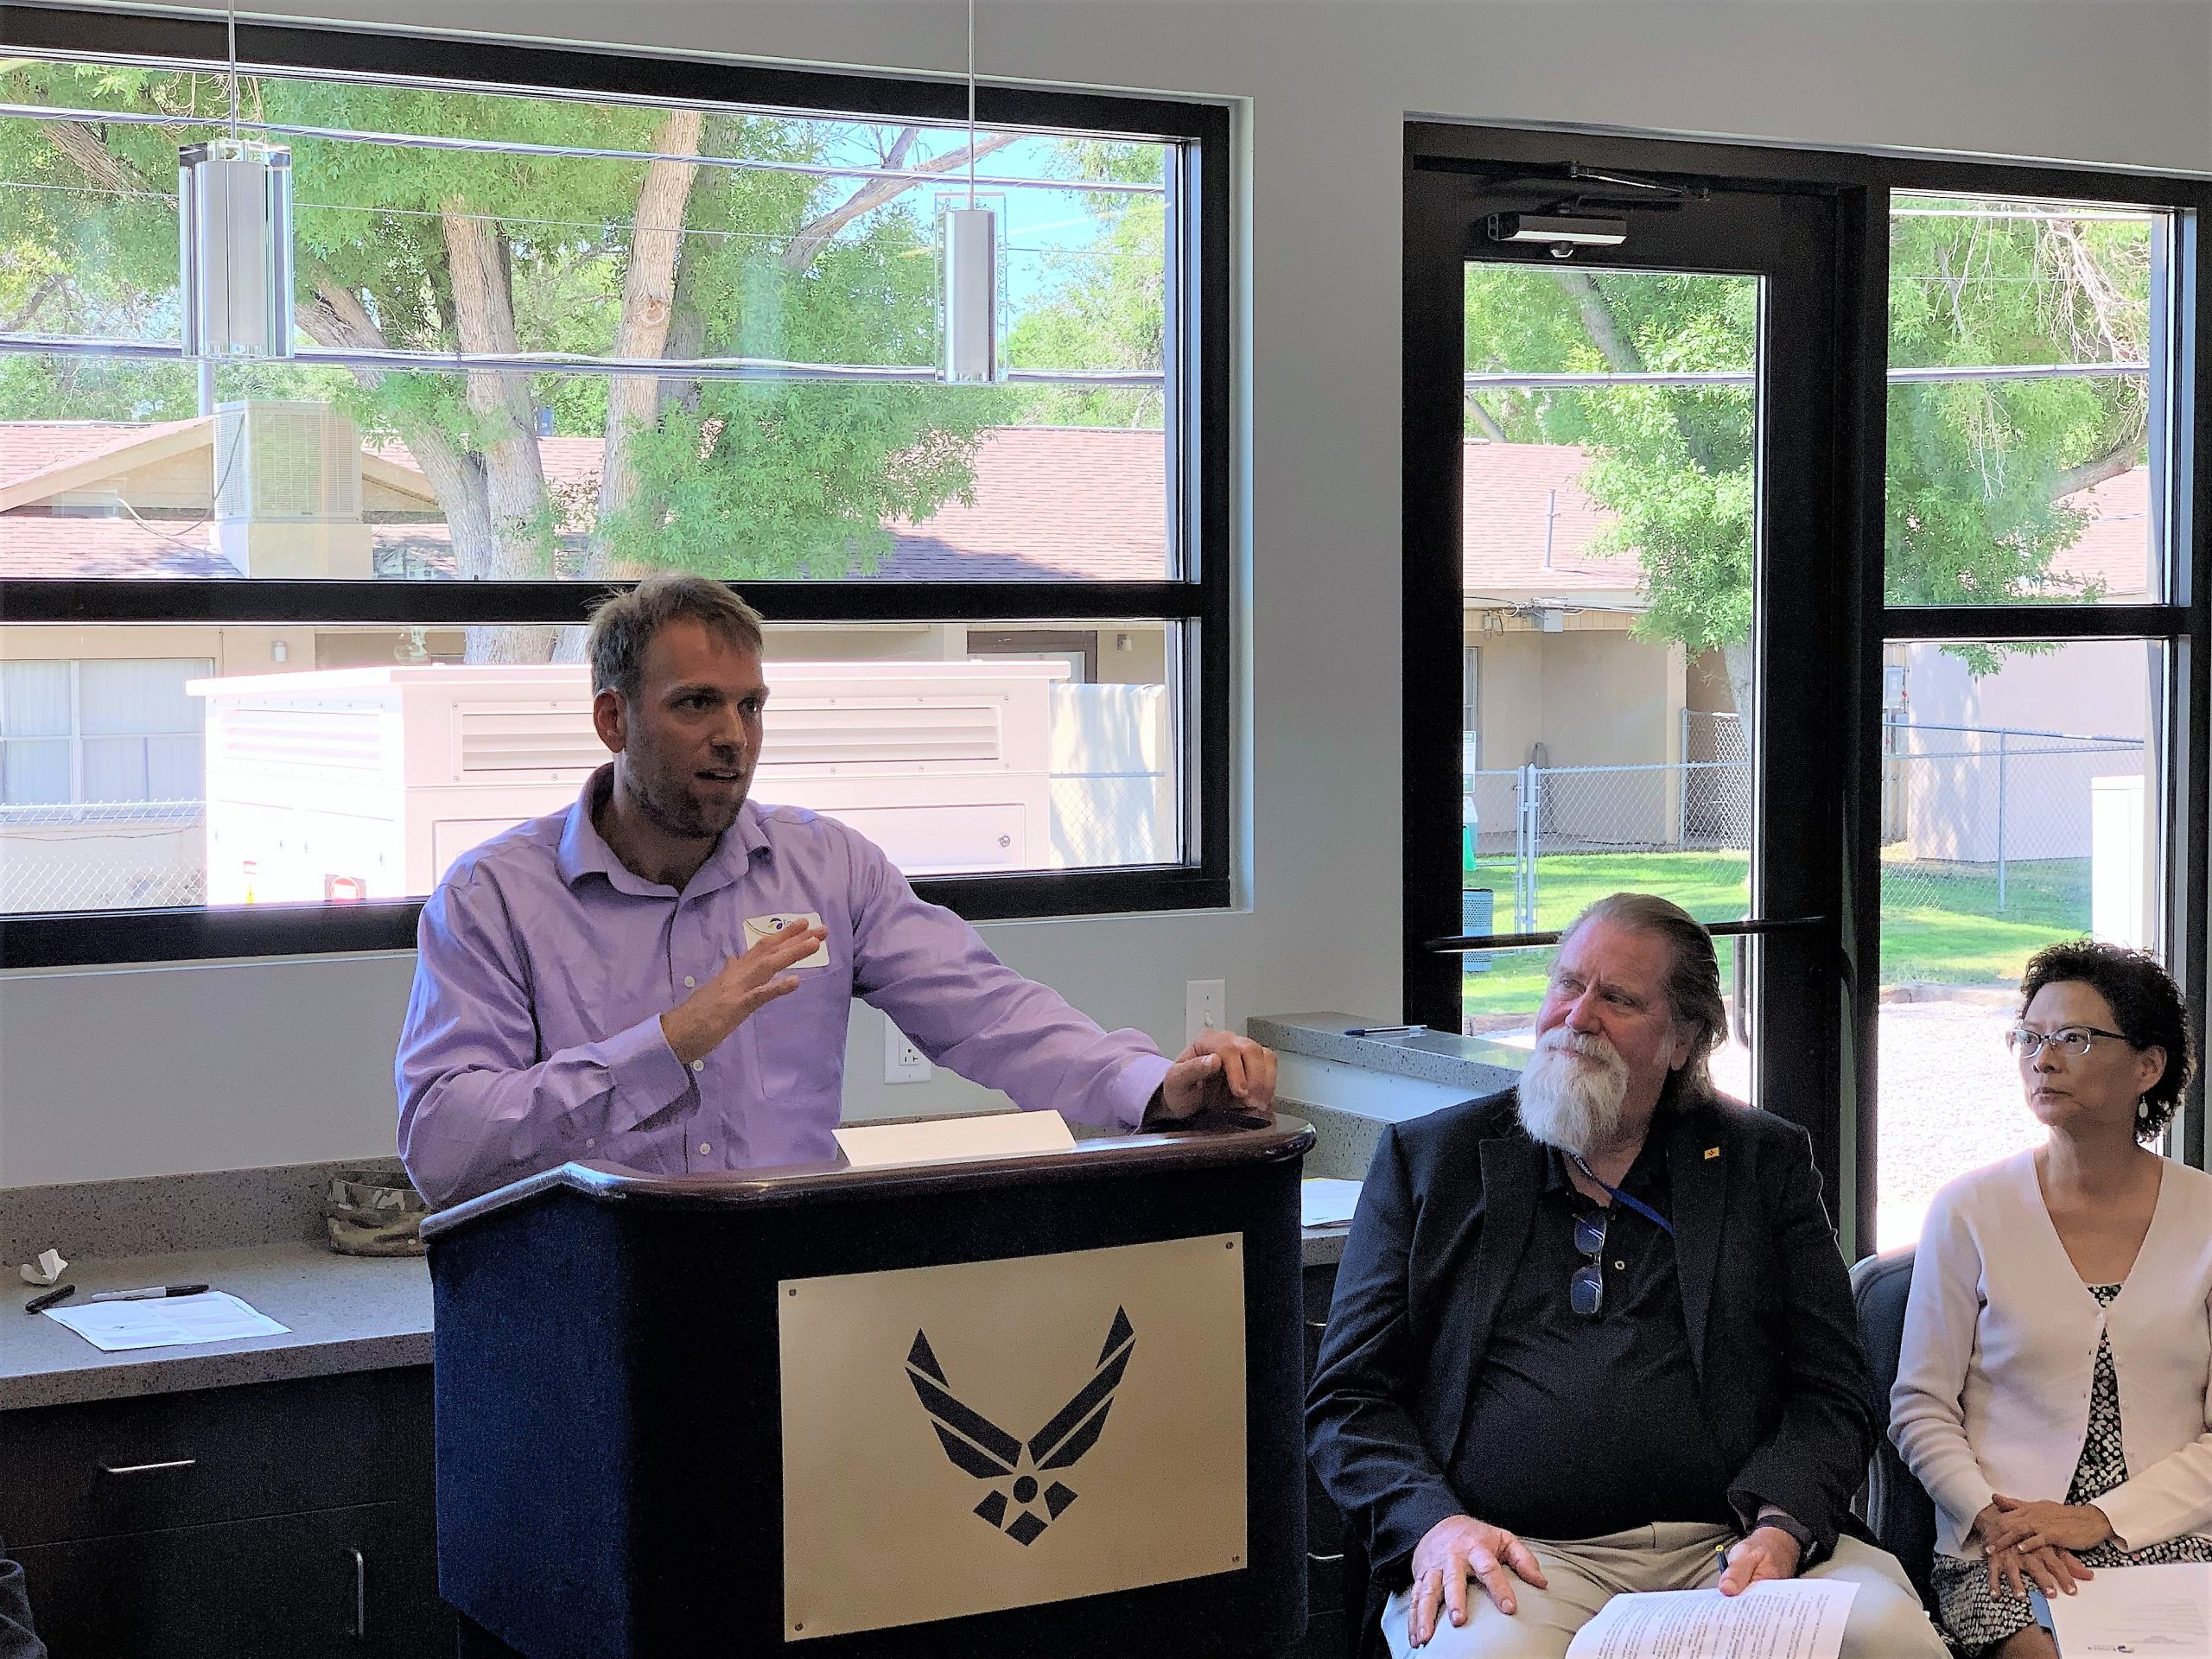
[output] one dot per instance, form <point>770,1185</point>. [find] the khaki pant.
<point>1886,1620</point>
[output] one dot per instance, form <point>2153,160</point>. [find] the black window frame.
<point>1199,600</point>
<point>1845,723</point>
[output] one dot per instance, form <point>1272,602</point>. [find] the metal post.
<point>1524,850</point>
<point>1682,785</point>
<point>2001,766</point>
<point>1535,838</point>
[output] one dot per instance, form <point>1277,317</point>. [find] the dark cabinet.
<point>292,1519</point>
<point>1332,1604</point>
<point>337,1582</point>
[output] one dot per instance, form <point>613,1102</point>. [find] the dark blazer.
<point>1442,1222</point>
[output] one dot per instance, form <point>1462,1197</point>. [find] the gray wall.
<point>121,1073</point>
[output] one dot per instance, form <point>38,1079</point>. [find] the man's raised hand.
<point>1458,1548</point>
<point>698,1025</point>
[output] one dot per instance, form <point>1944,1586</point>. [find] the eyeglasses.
<point>1586,1289</point>
<point>2075,1039</point>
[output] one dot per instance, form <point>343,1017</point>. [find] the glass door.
<point>1626,380</point>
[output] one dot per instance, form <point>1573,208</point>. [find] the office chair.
<point>1894,1505</point>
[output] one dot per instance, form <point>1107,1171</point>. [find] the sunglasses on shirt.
<point>1586,1287</point>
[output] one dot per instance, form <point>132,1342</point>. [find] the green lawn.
<point>1939,922</point>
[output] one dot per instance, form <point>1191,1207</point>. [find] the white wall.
<point>120,1073</point>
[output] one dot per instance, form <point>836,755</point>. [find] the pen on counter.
<point>59,1293</point>
<point>1384,1031</point>
<point>152,1293</point>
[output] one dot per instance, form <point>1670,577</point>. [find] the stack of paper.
<point>2164,1610</point>
<point>1326,1202</point>
<point>1775,1618</point>
<point>167,1321</point>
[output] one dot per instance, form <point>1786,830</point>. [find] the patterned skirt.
<point>1978,1620</point>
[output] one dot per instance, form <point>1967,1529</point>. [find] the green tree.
<point>1104,305</point>
<point>1979,471</point>
<point>493,252</point>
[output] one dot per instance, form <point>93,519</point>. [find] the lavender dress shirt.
<point>533,1033</point>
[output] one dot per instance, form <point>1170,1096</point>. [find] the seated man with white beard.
<point>1593,1334</point>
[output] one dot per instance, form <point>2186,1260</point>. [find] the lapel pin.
<point>1712,1151</point>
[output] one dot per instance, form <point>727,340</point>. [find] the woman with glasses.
<point>2051,1395</point>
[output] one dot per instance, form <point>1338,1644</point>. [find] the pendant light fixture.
<point>971,268</point>
<point>234,233</point>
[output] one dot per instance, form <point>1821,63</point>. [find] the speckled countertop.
<point>345,1314</point>
<point>256,1233</point>
<point>1468,1065</point>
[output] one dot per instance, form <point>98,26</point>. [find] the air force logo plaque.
<point>940,1425</point>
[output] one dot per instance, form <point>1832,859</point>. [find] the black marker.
<point>1384,1031</point>
<point>152,1293</point>
<point>59,1293</point>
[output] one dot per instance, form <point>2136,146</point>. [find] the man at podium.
<point>659,977</point>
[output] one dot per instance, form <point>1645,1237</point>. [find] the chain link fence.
<point>1984,820</point>
<point>102,855</point>
<point>1107,818</point>
<point>1514,819</point>
<point>1996,821</point>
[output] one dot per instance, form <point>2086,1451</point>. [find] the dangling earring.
<point>2142,1111</point>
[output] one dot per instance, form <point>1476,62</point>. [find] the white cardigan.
<point>2000,1347</point>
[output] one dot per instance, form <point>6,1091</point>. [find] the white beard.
<point>1571,1092</point>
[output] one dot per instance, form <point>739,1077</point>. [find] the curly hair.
<point>2146,1005</point>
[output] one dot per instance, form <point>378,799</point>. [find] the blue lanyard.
<point>1628,1198</point>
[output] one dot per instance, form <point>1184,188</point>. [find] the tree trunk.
<point>506,420</point>
<point>648,311</point>
<point>1741,661</point>
<point>1620,351</point>
<point>2110,464</point>
<point>101,165</point>
<point>337,319</point>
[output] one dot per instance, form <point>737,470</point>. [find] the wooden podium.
<point>1046,1404</point>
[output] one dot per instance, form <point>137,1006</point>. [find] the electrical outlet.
<point>902,1061</point>
<point>1206,1003</point>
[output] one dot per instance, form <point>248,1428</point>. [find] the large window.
<point>559,322</point>
<point>2030,704</point>
<point>1872,615</point>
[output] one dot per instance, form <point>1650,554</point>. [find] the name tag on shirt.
<point>761,928</point>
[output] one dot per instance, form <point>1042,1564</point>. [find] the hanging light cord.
<point>972,103</point>
<point>234,22</point>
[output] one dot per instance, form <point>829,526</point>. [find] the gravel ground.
<point>1950,1102</point>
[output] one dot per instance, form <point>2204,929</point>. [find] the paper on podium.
<point>2137,1610</point>
<point>954,1139</point>
<point>1775,1618</point>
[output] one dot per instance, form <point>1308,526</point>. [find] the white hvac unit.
<point>368,783</point>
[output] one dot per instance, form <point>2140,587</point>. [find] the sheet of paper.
<point>1777,1619</point>
<point>954,1139</point>
<point>2137,1610</point>
<point>167,1321</point>
<point>1323,1201</point>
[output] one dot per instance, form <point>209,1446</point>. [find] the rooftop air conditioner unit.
<point>287,489</point>
<point>287,463</point>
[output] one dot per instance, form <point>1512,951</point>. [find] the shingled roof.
<point>1049,504</point>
